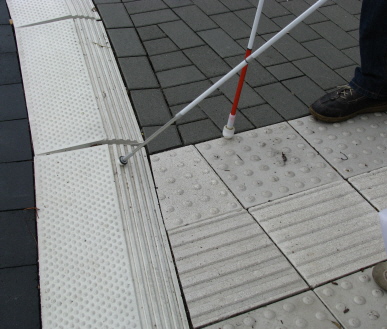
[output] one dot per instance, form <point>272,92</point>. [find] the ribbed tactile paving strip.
<point>326,232</point>
<point>373,186</point>
<point>356,301</point>
<point>266,164</point>
<point>228,265</point>
<point>188,188</point>
<point>103,253</point>
<point>31,12</point>
<point>301,311</point>
<point>352,147</point>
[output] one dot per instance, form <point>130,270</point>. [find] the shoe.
<point>343,104</point>
<point>379,273</point>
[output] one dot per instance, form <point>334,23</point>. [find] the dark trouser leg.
<point>371,79</point>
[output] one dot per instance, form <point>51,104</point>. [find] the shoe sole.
<point>323,118</point>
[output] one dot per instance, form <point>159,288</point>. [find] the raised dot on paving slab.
<point>362,306</point>
<point>273,155</point>
<point>199,187</point>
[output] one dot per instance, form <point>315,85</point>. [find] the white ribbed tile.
<point>352,147</point>
<point>325,232</point>
<point>356,301</point>
<point>373,186</point>
<point>188,188</point>
<point>31,12</point>
<point>103,252</point>
<point>302,311</point>
<point>228,265</point>
<point>266,164</point>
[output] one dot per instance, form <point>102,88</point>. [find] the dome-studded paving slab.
<point>266,164</point>
<point>373,187</point>
<point>352,147</point>
<point>325,232</point>
<point>301,311</point>
<point>188,188</point>
<point>356,301</point>
<point>228,265</point>
<point>29,12</point>
<point>104,256</point>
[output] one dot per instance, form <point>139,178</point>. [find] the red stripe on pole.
<point>240,85</point>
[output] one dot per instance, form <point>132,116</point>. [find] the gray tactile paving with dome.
<point>277,227</point>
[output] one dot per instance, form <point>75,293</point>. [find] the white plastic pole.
<point>124,159</point>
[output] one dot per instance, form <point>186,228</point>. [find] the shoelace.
<point>343,93</point>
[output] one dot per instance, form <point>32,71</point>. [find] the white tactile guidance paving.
<point>266,164</point>
<point>31,12</point>
<point>302,311</point>
<point>356,301</point>
<point>353,147</point>
<point>188,188</point>
<point>104,258</point>
<point>325,232</point>
<point>228,265</point>
<point>373,186</point>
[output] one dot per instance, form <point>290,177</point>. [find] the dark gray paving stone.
<point>150,106</point>
<point>211,7</point>
<point>160,46</point>
<point>289,47</point>
<point>284,71</point>
<point>12,102</point>
<point>126,42</point>
<point>218,109</point>
<point>265,26</point>
<point>297,7</point>
<point>207,61</point>
<point>16,186</point>
<point>138,73</point>
<point>335,35</point>
<point>236,5</point>
<point>187,93</point>
<point>7,44</point>
<point>194,114</point>
<point>195,18</point>
<point>305,89</point>
<point>256,74</point>
<point>199,131</point>
<point>4,15</point>
<point>169,61</point>
<point>19,298</point>
<point>114,15</point>
<point>168,139</point>
<point>273,9</point>
<point>177,3</point>
<point>232,25</point>
<point>15,140</point>
<point>354,34</point>
<point>340,17</point>
<point>179,76</point>
<point>327,53</point>
<point>269,57</point>
<point>353,53</point>
<point>9,68</point>
<point>18,240</point>
<point>351,6</point>
<point>181,34</point>
<point>150,32</point>
<point>301,32</point>
<point>347,73</point>
<point>135,7</point>
<point>106,1</point>
<point>320,73</point>
<point>262,115</point>
<point>222,43</point>
<point>248,96</point>
<point>283,101</point>
<point>154,17</point>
